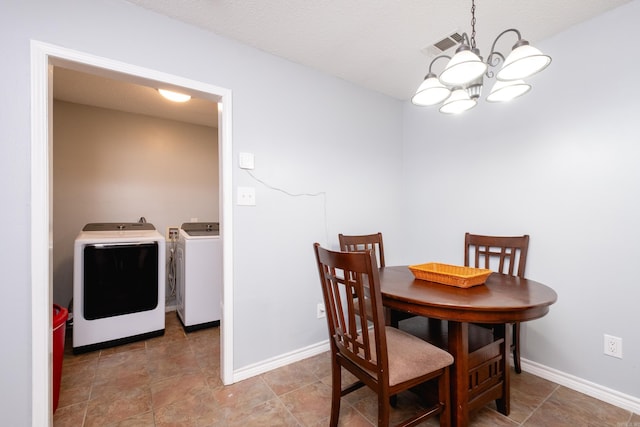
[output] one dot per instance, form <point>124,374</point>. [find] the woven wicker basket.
<point>447,274</point>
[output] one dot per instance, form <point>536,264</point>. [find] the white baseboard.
<point>597,391</point>
<point>594,390</point>
<point>279,361</point>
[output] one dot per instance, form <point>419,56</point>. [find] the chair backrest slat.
<point>364,242</point>
<point>350,281</point>
<point>509,252</point>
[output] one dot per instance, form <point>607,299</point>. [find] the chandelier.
<point>460,84</point>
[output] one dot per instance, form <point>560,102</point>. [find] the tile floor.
<point>174,380</point>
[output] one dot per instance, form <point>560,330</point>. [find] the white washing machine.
<point>118,285</point>
<point>199,275</point>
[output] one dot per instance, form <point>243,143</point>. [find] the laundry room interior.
<point>117,159</point>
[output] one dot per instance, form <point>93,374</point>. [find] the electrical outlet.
<point>246,196</point>
<point>172,233</point>
<point>613,346</point>
<point>320,311</point>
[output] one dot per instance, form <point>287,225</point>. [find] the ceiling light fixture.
<point>460,83</point>
<point>174,96</point>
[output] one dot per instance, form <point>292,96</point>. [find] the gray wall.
<point>560,164</point>
<point>566,147</point>
<point>309,133</point>
<point>112,166</point>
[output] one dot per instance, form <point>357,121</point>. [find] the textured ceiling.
<point>377,44</point>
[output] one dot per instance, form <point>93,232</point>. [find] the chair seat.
<point>411,357</point>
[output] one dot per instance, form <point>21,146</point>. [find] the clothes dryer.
<point>118,285</point>
<point>199,275</point>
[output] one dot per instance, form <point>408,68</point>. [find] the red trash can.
<point>60,315</point>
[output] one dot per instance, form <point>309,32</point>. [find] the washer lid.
<point>201,228</point>
<point>118,226</point>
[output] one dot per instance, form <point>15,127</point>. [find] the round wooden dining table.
<point>480,373</point>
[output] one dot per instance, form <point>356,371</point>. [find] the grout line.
<point>286,408</point>
<point>541,403</point>
<point>300,423</point>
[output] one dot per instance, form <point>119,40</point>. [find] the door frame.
<point>43,57</point>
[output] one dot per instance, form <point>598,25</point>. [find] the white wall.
<point>560,164</point>
<point>112,166</point>
<point>564,155</point>
<point>310,133</point>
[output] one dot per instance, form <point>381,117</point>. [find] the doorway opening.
<point>43,59</point>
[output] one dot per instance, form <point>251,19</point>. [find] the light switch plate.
<point>246,196</point>
<point>245,161</point>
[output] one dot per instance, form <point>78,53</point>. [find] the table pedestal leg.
<point>503,331</point>
<point>459,349</point>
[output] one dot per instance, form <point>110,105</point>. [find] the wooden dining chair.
<point>354,243</point>
<point>383,358</point>
<point>502,254</point>
<point>363,242</point>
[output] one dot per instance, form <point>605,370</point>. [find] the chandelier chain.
<point>473,24</point>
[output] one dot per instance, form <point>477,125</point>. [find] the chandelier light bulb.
<point>523,61</point>
<point>430,92</point>
<point>508,90</point>
<point>458,102</point>
<point>463,68</point>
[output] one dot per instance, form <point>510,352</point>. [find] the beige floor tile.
<point>213,377</point>
<point>72,359</point>
<point>174,333</point>
<point>208,359</point>
<point>568,407</point>
<point>194,411</point>
<point>349,417</point>
<point>72,395</point>
<point>79,374</point>
<point>408,404</point>
<point>309,404</point>
<point>176,388</point>
<point>110,410</point>
<point>489,417</point>
<point>168,349</point>
<point>174,380</point>
<point>71,415</point>
<point>290,377</point>
<point>181,364</point>
<point>319,365</point>
<point>121,364</point>
<point>270,413</point>
<point>528,392</point>
<point>137,345</point>
<point>243,394</point>
<point>130,386</point>
<point>140,420</point>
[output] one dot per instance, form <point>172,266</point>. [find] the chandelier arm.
<point>465,38</point>
<point>491,59</point>
<point>435,59</point>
